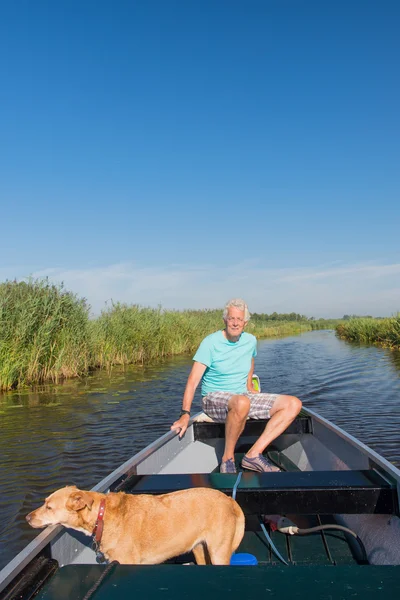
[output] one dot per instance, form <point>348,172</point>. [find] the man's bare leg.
<point>238,409</point>
<point>283,412</point>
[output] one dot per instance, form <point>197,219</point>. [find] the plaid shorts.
<point>215,405</point>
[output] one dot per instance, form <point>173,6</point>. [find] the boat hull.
<point>317,455</point>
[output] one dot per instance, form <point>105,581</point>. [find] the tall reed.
<point>385,332</point>
<point>43,333</point>
<point>324,323</point>
<point>46,334</point>
<point>131,334</point>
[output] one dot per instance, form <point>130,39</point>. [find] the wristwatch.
<point>184,412</point>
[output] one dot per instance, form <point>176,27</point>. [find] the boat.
<point>326,526</point>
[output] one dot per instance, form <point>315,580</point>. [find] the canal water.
<point>80,431</point>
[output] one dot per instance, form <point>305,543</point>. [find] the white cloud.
<point>328,290</point>
<point>366,271</point>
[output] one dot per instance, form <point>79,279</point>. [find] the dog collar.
<point>98,528</point>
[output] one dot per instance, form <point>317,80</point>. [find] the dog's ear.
<point>78,500</point>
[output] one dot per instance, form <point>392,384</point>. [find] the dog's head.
<point>62,508</point>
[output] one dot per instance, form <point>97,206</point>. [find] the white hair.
<point>237,303</point>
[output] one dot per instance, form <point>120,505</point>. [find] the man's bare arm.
<point>193,381</point>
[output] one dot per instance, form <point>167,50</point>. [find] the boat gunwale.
<point>355,442</point>
<point>21,560</point>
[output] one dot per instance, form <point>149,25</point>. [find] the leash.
<point>235,487</point>
<point>98,532</point>
<point>271,543</point>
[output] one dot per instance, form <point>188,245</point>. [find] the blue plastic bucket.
<point>243,559</point>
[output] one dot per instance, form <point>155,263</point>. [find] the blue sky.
<point>183,152</point>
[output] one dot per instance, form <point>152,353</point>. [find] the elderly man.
<point>224,362</point>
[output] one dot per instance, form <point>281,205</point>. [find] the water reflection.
<point>395,357</point>
<point>80,431</point>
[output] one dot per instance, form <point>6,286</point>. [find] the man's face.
<point>234,322</point>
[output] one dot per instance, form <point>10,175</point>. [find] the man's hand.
<point>181,425</point>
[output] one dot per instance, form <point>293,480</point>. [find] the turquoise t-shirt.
<point>228,363</point>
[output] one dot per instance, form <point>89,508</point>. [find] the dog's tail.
<point>240,523</point>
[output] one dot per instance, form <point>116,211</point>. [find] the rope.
<point>271,543</point>
<point>235,487</point>
<point>97,584</point>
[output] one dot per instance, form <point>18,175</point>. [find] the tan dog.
<point>146,529</point>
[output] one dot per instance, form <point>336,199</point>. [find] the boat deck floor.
<point>278,458</point>
<point>328,547</point>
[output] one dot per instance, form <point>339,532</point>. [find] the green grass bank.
<point>46,333</point>
<point>385,332</point>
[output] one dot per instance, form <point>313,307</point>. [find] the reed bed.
<point>43,334</point>
<point>324,323</point>
<point>131,334</point>
<point>46,333</point>
<point>385,332</point>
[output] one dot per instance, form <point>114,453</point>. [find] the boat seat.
<point>297,492</point>
<point>203,430</point>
